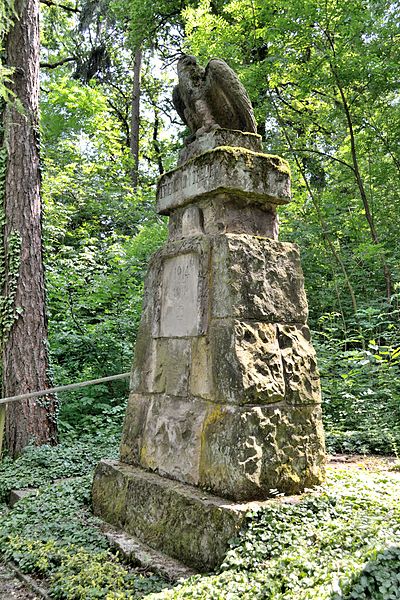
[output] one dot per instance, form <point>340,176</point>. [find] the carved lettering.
<point>179,302</point>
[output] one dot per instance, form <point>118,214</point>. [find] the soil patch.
<point>364,463</point>
<point>11,588</point>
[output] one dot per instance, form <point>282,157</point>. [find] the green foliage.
<point>96,303</point>
<point>53,534</point>
<point>361,387</point>
<point>322,79</point>
<point>6,19</point>
<point>8,309</point>
<point>340,542</point>
<point>379,579</point>
<point>38,466</point>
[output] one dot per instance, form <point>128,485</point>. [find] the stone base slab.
<point>179,520</point>
<point>137,553</point>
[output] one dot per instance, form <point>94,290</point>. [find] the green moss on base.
<point>279,163</point>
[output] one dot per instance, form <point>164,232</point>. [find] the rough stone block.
<point>173,365</point>
<point>180,520</point>
<point>134,424</point>
<point>222,214</point>
<point>237,452</point>
<point>143,374</point>
<point>299,365</point>
<point>201,374</point>
<point>257,278</point>
<point>227,214</point>
<point>136,552</point>
<point>172,437</point>
<point>249,451</point>
<point>191,221</point>
<point>260,178</point>
<point>246,362</point>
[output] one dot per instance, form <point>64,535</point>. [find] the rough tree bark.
<point>135,116</point>
<point>24,355</point>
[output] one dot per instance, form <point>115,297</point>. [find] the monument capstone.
<point>224,406</point>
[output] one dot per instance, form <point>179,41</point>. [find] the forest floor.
<point>353,520</point>
<point>12,588</point>
<point>362,461</point>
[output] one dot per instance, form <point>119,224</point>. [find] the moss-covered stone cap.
<point>260,178</point>
<point>220,137</point>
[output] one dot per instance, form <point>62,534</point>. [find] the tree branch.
<point>63,6</point>
<point>342,162</point>
<point>59,63</point>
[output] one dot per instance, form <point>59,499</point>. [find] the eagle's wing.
<point>227,98</point>
<point>179,104</point>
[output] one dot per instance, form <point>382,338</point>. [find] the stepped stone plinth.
<point>225,402</point>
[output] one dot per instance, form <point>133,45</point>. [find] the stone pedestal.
<point>225,392</point>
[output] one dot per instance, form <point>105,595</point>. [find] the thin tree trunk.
<point>324,231</point>
<point>135,116</point>
<point>156,144</point>
<point>24,353</point>
<point>356,168</point>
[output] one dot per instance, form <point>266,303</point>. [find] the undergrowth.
<point>341,542</point>
<point>45,464</point>
<point>52,532</point>
<point>360,377</point>
<point>338,542</point>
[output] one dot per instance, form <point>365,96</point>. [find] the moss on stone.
<point>237,151</point>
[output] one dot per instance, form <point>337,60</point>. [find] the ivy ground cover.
<point>340,541</point>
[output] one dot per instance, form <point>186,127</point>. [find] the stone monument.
<point>224,407</point>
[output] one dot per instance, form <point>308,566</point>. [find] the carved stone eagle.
<point>211,98</point>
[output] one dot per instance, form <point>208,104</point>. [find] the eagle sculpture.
<point>211,98</point>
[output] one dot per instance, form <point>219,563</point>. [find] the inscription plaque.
<point>179,300</point>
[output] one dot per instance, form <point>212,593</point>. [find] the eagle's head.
<point>188,68</point>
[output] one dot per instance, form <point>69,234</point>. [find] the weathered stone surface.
<point>227,214</point>
<point>182,521</point>
<point>192,221</point>
<point>223,214</point>
<point>179,304</point>
<point>247,452</point>
<point>258,279</point>
<point>246,361</point>
<point>136,552</point>
<point>201,373</point>
<point>17,495</point>
<point>134,424</point>
<point>220,137</point>
<point>171,439</point>
<point>237,452</point>
<point>173,365</point>
<point>143,375</point>
<point>260,178</point>
<point>299,365</point>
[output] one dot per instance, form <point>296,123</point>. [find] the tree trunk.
<point>356,168</point>
<point>135,116</point>
<point>324,229</point>
<point>361,187</point>
<point>156,144</point>
<point>24,335</point>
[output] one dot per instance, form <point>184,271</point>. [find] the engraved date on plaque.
<point>180,312</point>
